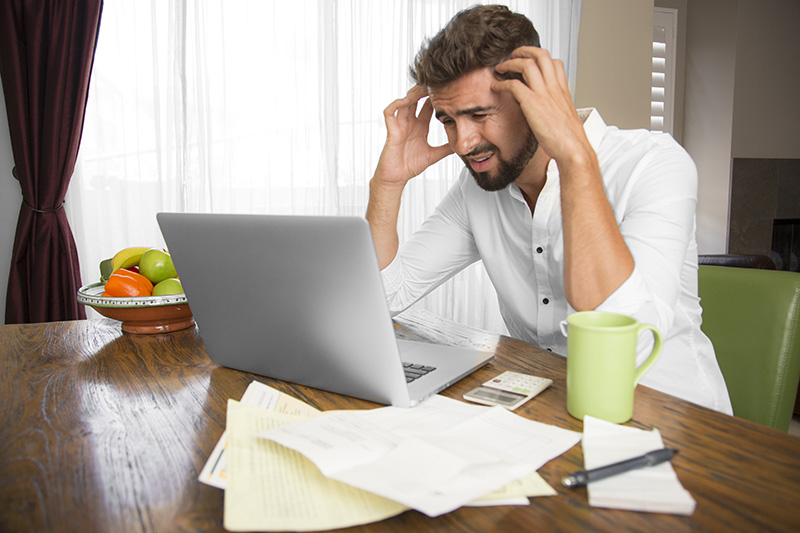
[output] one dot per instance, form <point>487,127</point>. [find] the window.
<point>662,99</point>
<point>238,106</point>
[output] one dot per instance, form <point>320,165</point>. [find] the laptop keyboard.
<point>414,371</point>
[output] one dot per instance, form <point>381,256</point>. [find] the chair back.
<point>752,317</point>
<point>738,260</point>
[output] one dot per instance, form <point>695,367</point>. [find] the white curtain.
<point>263,106</point>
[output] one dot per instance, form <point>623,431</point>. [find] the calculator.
<point>509,390</point>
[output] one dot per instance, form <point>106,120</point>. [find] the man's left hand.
<point>545,100</point>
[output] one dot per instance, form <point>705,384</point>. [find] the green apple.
<point>156,265</point>
<point>168,286</point>
<point>106,269</point>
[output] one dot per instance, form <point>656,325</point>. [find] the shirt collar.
<point>593,125</point>
<point>595,128</point>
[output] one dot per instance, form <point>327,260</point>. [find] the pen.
<point>582,477</point>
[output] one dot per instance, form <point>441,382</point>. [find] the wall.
<point>10,200</point>
<point>765,172</point>
<point>764,189</point>
<point>736,81</point>
<point>741,77</point>
<point>708,113</point>
<point>615,50</point>
<point>766,107</point>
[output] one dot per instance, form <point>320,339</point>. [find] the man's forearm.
<point>382,214</point>
<point>596,259</point>
<point>406,154</point>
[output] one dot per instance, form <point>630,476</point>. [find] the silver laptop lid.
<point>290,297</point>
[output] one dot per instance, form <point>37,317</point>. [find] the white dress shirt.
<point>651,183</point>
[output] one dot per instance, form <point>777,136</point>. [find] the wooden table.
<point>104,431</point>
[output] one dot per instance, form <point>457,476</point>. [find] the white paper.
<point>654,489</point>
<point>517,492</point>
<point>435,457</point>
<point>214,472</point>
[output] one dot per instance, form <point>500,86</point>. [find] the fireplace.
<point>765,209</point>
<point>786,244</point>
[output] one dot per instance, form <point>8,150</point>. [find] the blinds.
<point>663,72</point>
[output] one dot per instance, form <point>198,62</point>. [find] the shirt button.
<point>539,250</point>
<point>545,301</point>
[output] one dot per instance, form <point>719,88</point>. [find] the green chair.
<point>752,317</point>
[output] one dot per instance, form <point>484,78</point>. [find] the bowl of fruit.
<point>140,288</point>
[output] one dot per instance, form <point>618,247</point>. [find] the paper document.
<point>654,489</point>
<point>516,492</point>
<point>272,488</point>
<point>214,472</point>
<point>435,457</point>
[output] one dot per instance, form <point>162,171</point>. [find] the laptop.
<point>301,299</point>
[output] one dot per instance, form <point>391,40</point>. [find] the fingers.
<point>406,107</point>
<point>389,116</point>
<point>561,75</point>
<point>402,113</point>
<point>529,51</point>
<point>542,76</point>
<point>536,67</point>
<point>396,114</point>
<point>417,92</point>
<point>515,87</point>
<point>527,68</point>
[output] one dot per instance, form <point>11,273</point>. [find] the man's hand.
<point>596,259</point>
<point>405,155</point>
<point>543,94</point>
<point>407,152</point>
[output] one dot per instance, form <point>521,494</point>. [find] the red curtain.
<point>46,53</point>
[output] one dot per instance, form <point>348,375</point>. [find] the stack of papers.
<point>468,452</point>
<point>655,489</point>
<point>434,458</point>
<point>215,471</point>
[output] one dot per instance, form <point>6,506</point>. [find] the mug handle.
<point>653,355</point>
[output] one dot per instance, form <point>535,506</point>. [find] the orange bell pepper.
<point>124,283</point>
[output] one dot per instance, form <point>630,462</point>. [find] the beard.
<point>508,170</point>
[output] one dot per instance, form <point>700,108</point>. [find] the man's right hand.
<point>406,154</point>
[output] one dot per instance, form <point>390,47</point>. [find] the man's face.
<point>485,128</point>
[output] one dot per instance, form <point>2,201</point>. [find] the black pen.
<point>582,477</point>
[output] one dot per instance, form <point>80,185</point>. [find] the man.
<point>566,213</point>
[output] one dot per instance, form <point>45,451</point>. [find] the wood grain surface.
<point>105,431</point>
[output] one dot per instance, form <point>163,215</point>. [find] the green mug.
<point>601,364</point>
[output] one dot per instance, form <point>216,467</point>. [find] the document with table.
<point>271,487</point>
<point>214,472</point>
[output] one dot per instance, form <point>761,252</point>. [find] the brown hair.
<point>478,37</point>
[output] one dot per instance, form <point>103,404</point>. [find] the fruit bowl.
<point>141,314</point>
